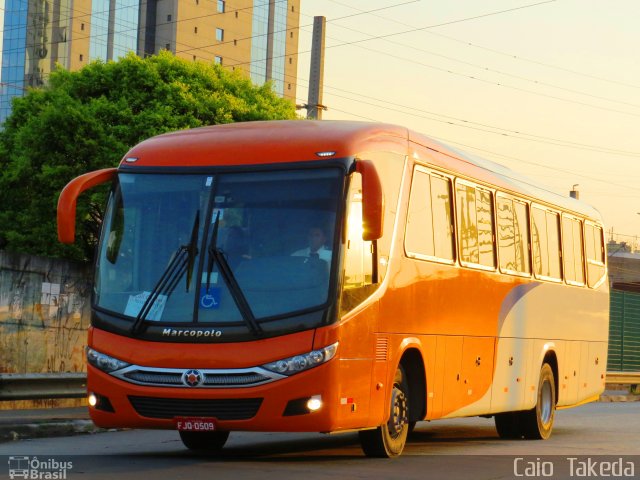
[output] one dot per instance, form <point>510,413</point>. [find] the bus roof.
<point>265,142</point>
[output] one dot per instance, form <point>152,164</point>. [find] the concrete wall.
<point>44,316</point>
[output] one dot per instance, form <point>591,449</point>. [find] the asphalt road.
<point>605,434</point>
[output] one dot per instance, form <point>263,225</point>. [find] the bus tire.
<point>388,440</point>
<point>204,441</point>
<point>537,423</point>
<point>508,425</point>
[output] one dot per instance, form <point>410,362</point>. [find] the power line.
<point>484,68</point>
<point>455,142</point>
<point>469,124</point>
<point>472,77</point>
<point>511,56</point>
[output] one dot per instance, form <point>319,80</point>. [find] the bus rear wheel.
<point>204,441</point>
<point>537,423</point>
<point>534,424</point>
<point>388,440</point>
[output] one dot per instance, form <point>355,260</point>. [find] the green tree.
<point>88,119</point>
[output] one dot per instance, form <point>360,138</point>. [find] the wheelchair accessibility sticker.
<point>209,298</point>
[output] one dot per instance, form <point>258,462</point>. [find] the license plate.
<point>195,424</point>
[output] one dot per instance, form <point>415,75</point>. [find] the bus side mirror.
<point>372,200</point>
<point>69,196</point>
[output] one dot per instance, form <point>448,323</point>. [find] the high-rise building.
<point>259,37</point>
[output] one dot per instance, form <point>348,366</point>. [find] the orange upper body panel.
<point>252,143</point>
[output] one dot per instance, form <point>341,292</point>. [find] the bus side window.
<point>419,235</point>
<point>521,223</point>
<point>358,259</point>
<point>513,236</point>
<point>546,244</point>
<point>595,254</point>
<point>429,228</point>
<point>506,234</point>
<point>475,225</point>
<point>572,251</point>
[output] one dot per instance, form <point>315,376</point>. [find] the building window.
<point>236,14</point>
<point>194,58</point>
<point>290,60</point>
<point>289,86</point>
<point>293,9</point>
<point>221,6</point>
<point>290,34</point>
<point>81,57</point>
<point>168,18</point>
<point>168,46</point>
<point>219,34</point>
<point>235,43</point>
<point>218,60</point>
<point>195,29</point>
<point>82,27</point>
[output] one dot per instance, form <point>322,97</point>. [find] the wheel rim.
<point>398,420</point>
<point>546,403</point>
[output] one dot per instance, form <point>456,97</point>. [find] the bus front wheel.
<point>204,441</point>
<point>388,440</point>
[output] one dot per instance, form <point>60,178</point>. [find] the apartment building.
<point>259,37</point>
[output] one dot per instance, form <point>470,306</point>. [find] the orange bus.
<point>307,276</point>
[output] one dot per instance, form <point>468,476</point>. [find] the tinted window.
<point>429,229</point>
<point>595,253</point>
<point>475,225</point>
<point>513,235</point>
<point>572,250</point>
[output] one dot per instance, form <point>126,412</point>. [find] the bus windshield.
<point>232,248</point>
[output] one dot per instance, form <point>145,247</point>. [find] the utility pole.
<point>316,71</point>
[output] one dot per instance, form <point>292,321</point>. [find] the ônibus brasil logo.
<point>34,468</point>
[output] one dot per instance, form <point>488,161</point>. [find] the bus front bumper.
<point>281,405</point>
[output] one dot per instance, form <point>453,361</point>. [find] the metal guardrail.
<point>623,378</point>
<point>36,386</point>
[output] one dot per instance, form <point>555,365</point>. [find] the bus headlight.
<point>299,363</point>
<point>104,362</point>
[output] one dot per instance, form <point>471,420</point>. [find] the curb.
<point>619,398</point>
<point>64,428</point>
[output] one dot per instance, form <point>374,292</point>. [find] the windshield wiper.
<point>217,256</point>
<point>182,261</point>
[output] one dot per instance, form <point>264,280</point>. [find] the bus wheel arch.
<point>552,360</point>
<point>414,367</point>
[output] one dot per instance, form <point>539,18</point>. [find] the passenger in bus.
<point>317,246</point>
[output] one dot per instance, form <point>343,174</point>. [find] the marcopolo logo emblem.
<point>192,378</point>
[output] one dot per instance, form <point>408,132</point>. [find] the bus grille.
<point>222,409</point>
<point>209,378</point>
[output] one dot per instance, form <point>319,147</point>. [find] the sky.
<point>550,89</point>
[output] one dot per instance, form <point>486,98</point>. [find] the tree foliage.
<point>88,119</point>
